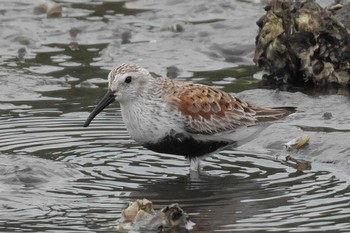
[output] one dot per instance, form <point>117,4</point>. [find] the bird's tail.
<point>264,114</point>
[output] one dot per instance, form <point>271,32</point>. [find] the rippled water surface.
<point>56,176</point>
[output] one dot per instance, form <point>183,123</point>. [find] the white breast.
<point>149,121</point>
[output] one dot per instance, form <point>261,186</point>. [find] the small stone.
<point>74,31</point>
<point>126,36</point>
<point>172,72</point>
<point>299,164</point>
<point>21,53</point>
<point>327,115</point>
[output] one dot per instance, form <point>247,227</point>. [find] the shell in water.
<point>296,143</point>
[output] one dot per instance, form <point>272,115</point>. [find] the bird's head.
<point>126,82</point>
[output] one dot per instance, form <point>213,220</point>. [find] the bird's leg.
<point>195,164</point>
<point>196,171</point>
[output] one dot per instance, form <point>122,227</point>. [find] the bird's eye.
<point>128,79</point>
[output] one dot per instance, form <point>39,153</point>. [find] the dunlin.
<point>179,117</point>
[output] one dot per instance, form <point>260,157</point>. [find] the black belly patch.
<point>180,144</point>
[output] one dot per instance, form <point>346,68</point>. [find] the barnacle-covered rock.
<point>301,43</point>
<point>134,208</point>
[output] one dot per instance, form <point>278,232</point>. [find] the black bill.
<point>106,100</point>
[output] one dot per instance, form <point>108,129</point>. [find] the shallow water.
<point>56,176</point>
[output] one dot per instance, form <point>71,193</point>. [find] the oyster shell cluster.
<point>301,43</point>
<point>140,215</point>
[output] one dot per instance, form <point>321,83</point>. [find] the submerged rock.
<point>298,164</point>
<point>21,52</point>
<point>301,43</point>
<point>327,115</point>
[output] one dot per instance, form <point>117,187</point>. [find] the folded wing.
<point>208,110</point>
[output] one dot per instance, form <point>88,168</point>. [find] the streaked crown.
<point>127,81</point>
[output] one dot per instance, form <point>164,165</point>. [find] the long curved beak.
<point>105,101</point>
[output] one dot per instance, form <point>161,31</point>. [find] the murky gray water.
<point>56,176</point>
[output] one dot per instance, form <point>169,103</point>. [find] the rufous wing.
<point>208,110</point>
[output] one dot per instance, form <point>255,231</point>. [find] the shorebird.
<point>180,117</point>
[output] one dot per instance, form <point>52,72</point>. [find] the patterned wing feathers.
<point>208,110</point>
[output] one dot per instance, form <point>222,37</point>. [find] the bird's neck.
<point>149,117</point>
<point>142,118</point>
